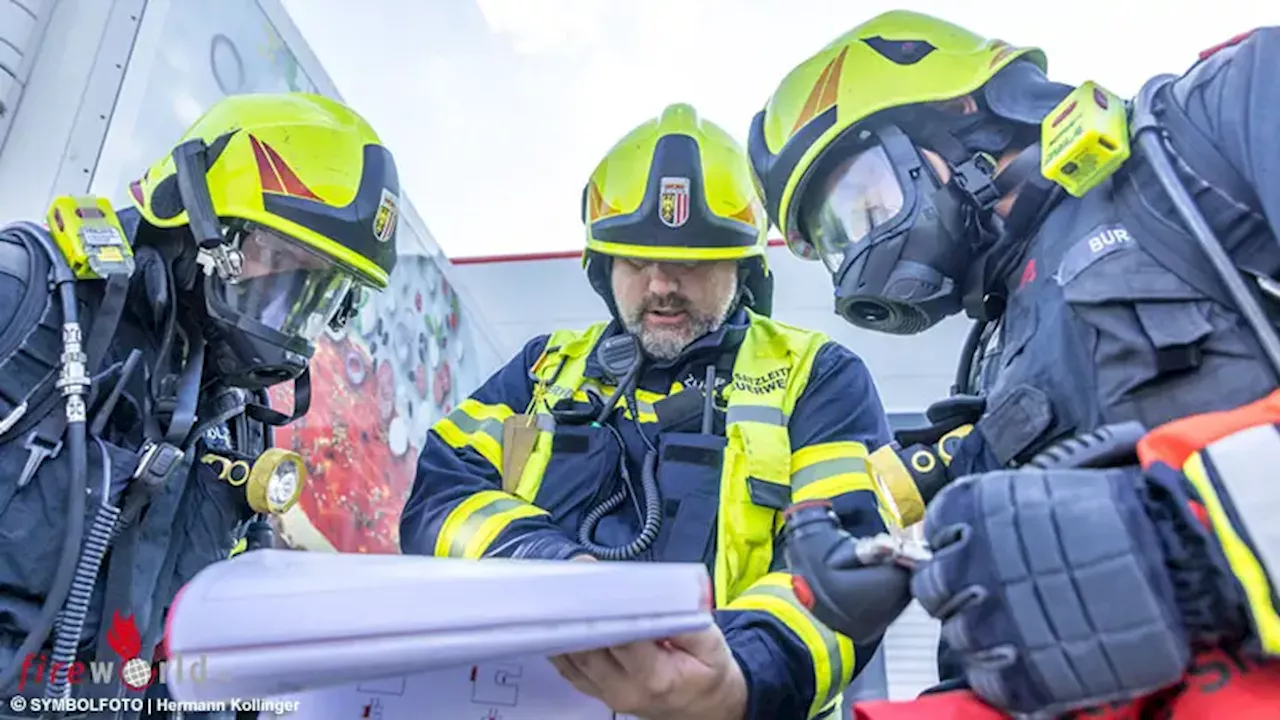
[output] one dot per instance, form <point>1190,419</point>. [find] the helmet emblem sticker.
<point>673,201</point>
<point>384,222</point>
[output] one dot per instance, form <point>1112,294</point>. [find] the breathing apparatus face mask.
<point>266,296</point>
<point>271,305</point>
<point>896,240</point>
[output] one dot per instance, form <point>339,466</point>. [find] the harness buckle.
<point>1269,286</point>
<point>39,449</point>
<point>976,178</point>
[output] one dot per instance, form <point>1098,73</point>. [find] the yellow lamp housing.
<point>276,481</point>
<point>272,484</point>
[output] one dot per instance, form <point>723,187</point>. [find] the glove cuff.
<point>1206,592</point>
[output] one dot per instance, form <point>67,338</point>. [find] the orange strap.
<point>1174,442</point>
<point>1218,685</point>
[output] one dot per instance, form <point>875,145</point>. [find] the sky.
<point>498,110</point>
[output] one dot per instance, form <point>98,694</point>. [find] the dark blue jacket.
<point>839,403</point>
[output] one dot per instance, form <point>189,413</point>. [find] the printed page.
<point>521,689</point>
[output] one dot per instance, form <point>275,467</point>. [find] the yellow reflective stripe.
<point>897,488</point>
<point>827,470</point>
<point>672,253</point>
<point>832,653</point>
<point>949,443</point>
<point>476,425</point>
<point>472,526</point>
<point>1244,564</point>
<point>644,400</point>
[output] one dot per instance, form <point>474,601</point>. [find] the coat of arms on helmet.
<point>384,222</point>
<point>673,201</point>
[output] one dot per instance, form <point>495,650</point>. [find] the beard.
<point>667,342</point>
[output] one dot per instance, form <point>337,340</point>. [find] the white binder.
<point>272,623</point>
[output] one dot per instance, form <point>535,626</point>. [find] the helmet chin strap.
<point>986,284</point>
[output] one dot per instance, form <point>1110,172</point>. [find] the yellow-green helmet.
<point>676,188</point>
<point>302,164</point>
<point>896,59</point>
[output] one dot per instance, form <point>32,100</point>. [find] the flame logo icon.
<point>126,641</point>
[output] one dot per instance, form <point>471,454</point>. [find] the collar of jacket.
<point>996,273</point>
<point>709,348</point>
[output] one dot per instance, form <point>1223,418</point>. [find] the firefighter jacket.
<point>796,416</point>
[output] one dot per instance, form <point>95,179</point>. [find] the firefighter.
<point>906,156</point>
<point>136,350</point>
<point>677,431</point>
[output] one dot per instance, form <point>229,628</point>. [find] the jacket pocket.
<point>688,475</point>
<point>1145,323</point>
<point>582,470</point>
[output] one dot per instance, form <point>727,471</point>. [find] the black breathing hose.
<point>66,639</point>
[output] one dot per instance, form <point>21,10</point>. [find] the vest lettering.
<point>773,381</point>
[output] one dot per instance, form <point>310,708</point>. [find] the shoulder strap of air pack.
<point>29,367</point>
<point>29,346</point>
<point>1148,118</point>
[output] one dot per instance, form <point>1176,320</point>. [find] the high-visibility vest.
<point>769,374</point>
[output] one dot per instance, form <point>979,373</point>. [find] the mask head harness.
<point>239,290</point>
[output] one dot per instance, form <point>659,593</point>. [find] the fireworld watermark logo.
<point>132,670</point>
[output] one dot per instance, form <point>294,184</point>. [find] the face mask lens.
<point>285,285</point>
<point>860,195</point>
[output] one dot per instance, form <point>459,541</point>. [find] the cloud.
<point>541,26</point>
<point>499,109</point>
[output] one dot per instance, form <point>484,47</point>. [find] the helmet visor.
<point>284,285</point>
<point>861,194</point>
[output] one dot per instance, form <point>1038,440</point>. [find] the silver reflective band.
<point>471,426</point>
<point>824,469</point>
<point>1248,463</point>
<point>755,413</point>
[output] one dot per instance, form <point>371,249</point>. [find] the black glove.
<point>856,599</point>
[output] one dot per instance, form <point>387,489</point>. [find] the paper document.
<point>276,622</point>
<point>523,689</point>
